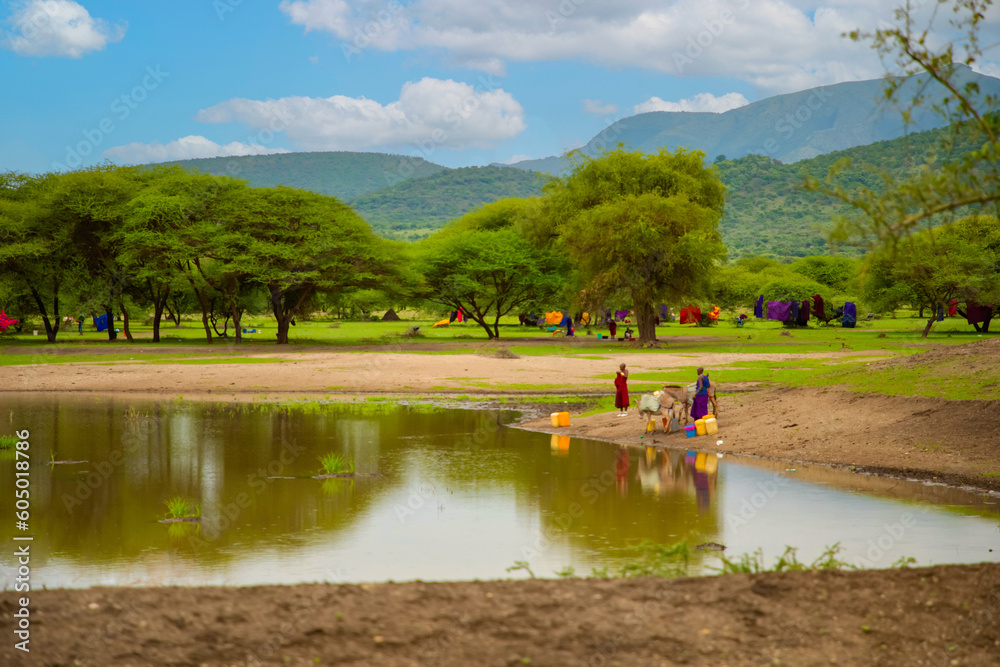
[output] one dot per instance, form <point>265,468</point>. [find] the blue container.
<point>690,431</point>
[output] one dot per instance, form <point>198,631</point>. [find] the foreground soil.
<point>946,615</point>
<point>951,442</point>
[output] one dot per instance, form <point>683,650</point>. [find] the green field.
<point>876,339</point>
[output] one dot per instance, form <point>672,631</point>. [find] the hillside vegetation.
<point>340,174</point>
<point>768,212</point>
<point>417,207</point>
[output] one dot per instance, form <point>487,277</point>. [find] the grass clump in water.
<point>8,441</point>
<point>335,463</point>
<point>179,507</point>
<point>787,562</point>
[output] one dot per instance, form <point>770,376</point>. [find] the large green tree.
<point>36,250</point>
<point>960,260</point>
<point>484,264</point>
<point>639,226</point>
<point>297,244</point>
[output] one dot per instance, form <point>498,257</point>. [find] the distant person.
<point>700,407</point>
<point>612,329</point>
<point>79,324</point>
<point>621,391</point>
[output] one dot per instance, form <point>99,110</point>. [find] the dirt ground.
<point>385,371</point>
<point>940,616</point>
<point>952,442</point>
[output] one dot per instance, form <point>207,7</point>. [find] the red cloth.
<point>690,315</point>
<point>6,321</point>
<point>952,307</point>
<point>621,395</point>
<point>817,308</point>
<point>974,313</point>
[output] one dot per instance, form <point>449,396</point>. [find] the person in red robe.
<point>621,393</point>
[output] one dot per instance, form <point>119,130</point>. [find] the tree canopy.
<point>640,226</point>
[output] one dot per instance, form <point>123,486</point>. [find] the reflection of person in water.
<point>647,474</point>
<point>621,470</point>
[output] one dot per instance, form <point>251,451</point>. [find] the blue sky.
<point>459,82</point>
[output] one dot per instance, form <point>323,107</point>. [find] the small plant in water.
<point>335,463</point>
<point>521,565</point>
<point>566,573</point>
<point>7,441</point>
<point>181,508</point>
<point>658,560</point>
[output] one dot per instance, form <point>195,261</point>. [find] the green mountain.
<point>340,174</point>
<point>769,213</point>
<point>417,207</point>
<point>789,128</point>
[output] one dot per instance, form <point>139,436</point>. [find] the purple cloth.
<point>621,314</point>
<point>700,407</point>
<point>758,308</point>
<point>778,310</point>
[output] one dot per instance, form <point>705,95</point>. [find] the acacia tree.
<point>484,264</point>
<point>35,247</point>
<point>296,244</point>
<point>960,260</point>
<point>642,226</point>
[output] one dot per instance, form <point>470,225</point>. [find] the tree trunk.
<point>112,334</point>
<point>159,303</point>
<point>205,307</point>
<point>236,323</point>
<point>645,318</point>
<point>125,321</point>
<point>927,329</point>
<point>157,316</point>
<point>282,312</point>
<point>50,331</point>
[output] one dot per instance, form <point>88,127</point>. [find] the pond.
<point>439,494</point>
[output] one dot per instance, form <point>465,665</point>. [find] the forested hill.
<point>419,206</point>
<point>769,213</point>
<point>792,127</point>
<point>340,174</point>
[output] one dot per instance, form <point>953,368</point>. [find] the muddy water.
<point>440,494</point>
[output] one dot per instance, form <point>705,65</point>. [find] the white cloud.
<point>599,108</point>
<point>520,157</point>
<point>776,45</point>
<point>57,28</point>
<point>185,148</point>
<point>430,113</point>
<point>700,102</point>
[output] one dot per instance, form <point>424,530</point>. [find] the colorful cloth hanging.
<point>778,310</point>
<point>758,308</point>
<point>6,321</point>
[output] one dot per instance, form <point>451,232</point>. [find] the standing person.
<point>612,328</point>
<point>79,324</point>
<point>621,393</point>
<point>700,407</point>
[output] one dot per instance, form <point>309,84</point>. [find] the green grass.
<point>8,441</point>
<point>179,507</point>
<point>335,463</point>
<point>786,562</point>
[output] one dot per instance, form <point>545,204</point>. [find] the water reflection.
<point>459,495</point>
